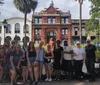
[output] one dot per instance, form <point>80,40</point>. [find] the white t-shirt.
<point>79,52</point>
<point>67,56</point>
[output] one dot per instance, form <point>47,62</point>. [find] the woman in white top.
<point>79,59</point>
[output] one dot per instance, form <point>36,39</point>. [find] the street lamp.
<point>80,21</point>
<point>5,26</point>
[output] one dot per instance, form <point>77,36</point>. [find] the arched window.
<point>0,29</point>
<point>27,28</point>
<point>17,28</point>
<point>8,29</point>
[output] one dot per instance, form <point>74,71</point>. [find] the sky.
<point>8,10</point>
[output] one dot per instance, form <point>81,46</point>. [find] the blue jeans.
<point>32,60</point>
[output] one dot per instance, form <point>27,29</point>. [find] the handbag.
<point>84,68</point>
<point>97,65</point>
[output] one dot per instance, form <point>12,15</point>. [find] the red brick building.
<point>53,23</point>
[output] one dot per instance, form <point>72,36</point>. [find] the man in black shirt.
<point>91,56</point>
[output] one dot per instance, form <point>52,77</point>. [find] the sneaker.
<point>36,83</point>
<point>50,79</point>
<point>92,80</point>
<point>46,79</point>
<point>31,82</point>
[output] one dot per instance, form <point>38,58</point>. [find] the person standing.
<point>32,57</point>
<point>1,61</point>
<point>58,49</point>
<point>67,60</point>
<point>24,62</point>
<point>41,53</point>
<point>91,56</point>
<point>79,59</point>
<point>51,43</point>
<point>48,63</point>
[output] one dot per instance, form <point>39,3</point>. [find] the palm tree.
<point>25,6</point>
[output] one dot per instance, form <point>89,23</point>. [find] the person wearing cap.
<point>67,60</point>
<point>79,59</point>
<point>58,49</point>
<point>91,56</point>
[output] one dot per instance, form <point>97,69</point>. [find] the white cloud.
<point>8,10</point>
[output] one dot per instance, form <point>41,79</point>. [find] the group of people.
<point>53,56</point>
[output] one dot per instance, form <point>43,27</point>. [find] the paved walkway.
<point>85,82</point>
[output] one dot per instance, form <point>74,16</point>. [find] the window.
<point>51,34</point>
<point>17,28</point>
<point>76,31</point>
<point>37,41</point>
<point>38,20</point>
<point>64,20</point>
<point>38,31</point>
<point>83,31</point>
<point>0,29</point>
<point>64,31</point>
<point>27,28</point>
<point>8,29</point>
<point>51,20</point>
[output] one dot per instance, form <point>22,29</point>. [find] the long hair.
<point>33,48</point>
<point>19,48</point>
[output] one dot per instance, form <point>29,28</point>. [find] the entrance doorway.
<point>51,34</point>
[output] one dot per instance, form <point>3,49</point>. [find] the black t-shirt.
<point>90,51</point>
<point>47,55</point>
<point>57,53</point>
<point>32,53</point>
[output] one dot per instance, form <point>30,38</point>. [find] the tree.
<point>1,2</point>
<point>93,24</point>
<point>25,6</point>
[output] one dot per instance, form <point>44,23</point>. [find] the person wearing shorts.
<point>24,62</point>
<point>41,53</point>
<point>48,59</point>
<point>32,57</point>
<point>15,60</point>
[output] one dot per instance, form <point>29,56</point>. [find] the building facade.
<point>53,23</point>
<point>15,28</point>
